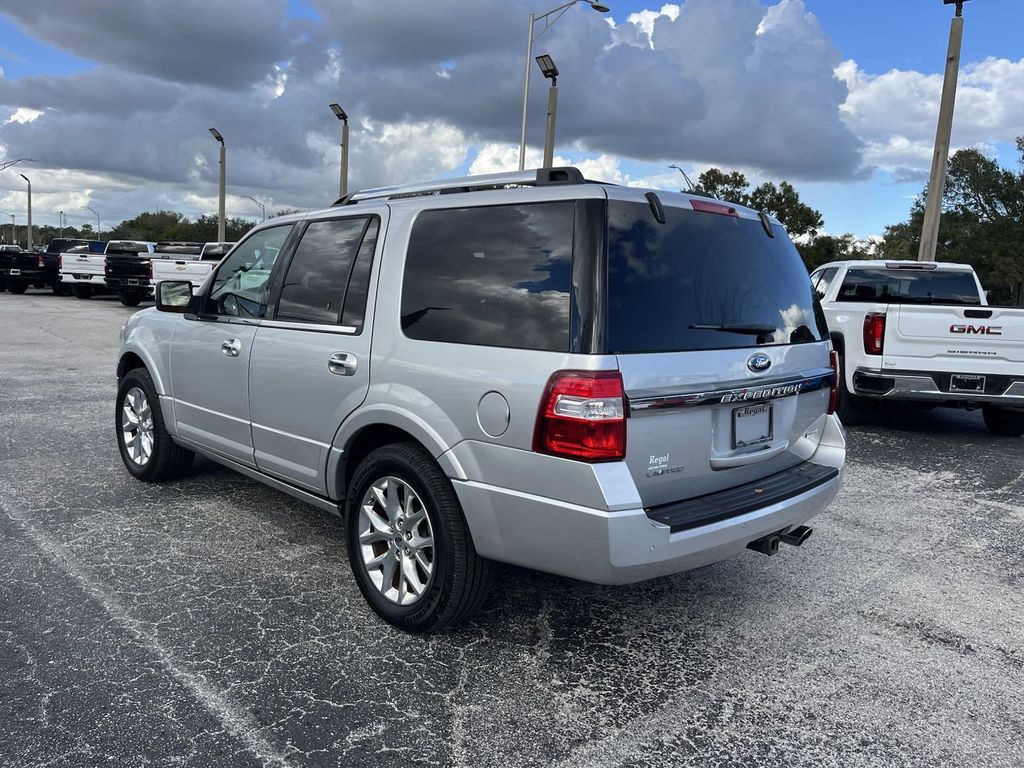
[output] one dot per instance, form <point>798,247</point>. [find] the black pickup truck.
<point>21,269</point>
<point>128,272</point>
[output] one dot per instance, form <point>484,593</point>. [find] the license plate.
<point>751,425</point>
<point>15,271</point>
<point>132,282</point>
<point>965,383</point>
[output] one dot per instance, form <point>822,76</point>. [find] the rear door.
<point>310,364</point>
<point>721,344</point>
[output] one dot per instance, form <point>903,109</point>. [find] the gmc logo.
<point>977,330</point>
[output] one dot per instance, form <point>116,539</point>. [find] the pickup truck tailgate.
<point>983,340</point>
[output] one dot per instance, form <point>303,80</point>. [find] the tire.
<point>17,287</point>
<point>82,291</point>
<point>459,579</point>
<point>851,409</point>
<point>166,459</point>
<point>60,289</point>
<point>3,284</point>
<point>130,299</point>
<point>1003,421</point>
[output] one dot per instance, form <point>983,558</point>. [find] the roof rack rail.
<point>539,178</point>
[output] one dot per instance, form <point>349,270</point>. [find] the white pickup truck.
<point>195,265</point>
<point>923,332</point>
<point>86,273</point>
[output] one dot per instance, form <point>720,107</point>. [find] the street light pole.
<point>550,72</point>
<point>97,222</point>
<point>60,223</point>
<point>263,208</point>
<point>27,181</point>
<point>8,163</point>
<point>530,37</point>
<point>943,137</point>
<point>221,220</point>
<point>343,178</point>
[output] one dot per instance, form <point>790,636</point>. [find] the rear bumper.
<point>621,546</point>
<point>97,279</point>
<point>119,284</point>
<point>933,386</point>
<point>34,275</point>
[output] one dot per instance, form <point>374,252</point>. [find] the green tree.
<point>825,248</point>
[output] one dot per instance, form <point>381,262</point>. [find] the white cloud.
<point>23,115</point>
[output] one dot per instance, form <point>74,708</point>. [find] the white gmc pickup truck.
<point>923,332</point>
<point>193,265</point>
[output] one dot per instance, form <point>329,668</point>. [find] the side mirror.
<point>173,296</point>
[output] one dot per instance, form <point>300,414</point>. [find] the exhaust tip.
<point>797,536</point>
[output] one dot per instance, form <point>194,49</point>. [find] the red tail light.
<point>833,398</point>
<point>874,332</point>
<point>149,269</point>
<point>60,262</point>
<point>582,416</point>
<point>707,206</point>
<point>40,262</point>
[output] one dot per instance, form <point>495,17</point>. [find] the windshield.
<point>704,281</point>
<point>179,249</point>
<point>909,286</point>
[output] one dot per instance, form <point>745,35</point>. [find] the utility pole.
<point>221,220</point>
<point>60,223</point>
<point>943,137</point>
<point>343,177</point>
<point>550,71</point>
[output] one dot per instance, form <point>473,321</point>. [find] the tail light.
<point>833,397</point>
<point>582,416</point>
<point>40,262</point>
<point>149,269</point>
<point>60,262</point>
<point>721,209</point>
<point>874,332</point>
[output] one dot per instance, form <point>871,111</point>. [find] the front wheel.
<point>1003,421</point>
<point>147,450</point>
<point>408,544</point>
<point>17,286</point>
<point>82,291</point>
<point>130,299</point>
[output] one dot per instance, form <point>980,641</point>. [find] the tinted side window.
<point>826,281</point>
<point>498,276</point>
<point>240,285</point>
<point>359,282</point>
<point>314,286</point>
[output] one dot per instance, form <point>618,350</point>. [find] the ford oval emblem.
<point>759,363</point>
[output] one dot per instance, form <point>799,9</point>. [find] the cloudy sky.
<point>113,98</point>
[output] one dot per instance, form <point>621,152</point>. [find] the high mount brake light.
<point>707,206</point>
<point>582,416</point>
<point>874,333</point>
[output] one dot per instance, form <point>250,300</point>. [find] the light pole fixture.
<point>550,72</point>
<point>60,223</point>
<point>97,221</point>
<point>943,137</point>
<point>343,117</point>
<point>221,220</point>
<point>263,208</point>
<point>8,163</point>
<point>688,182</point>
<point>531,36</point>
<point>29,182</point>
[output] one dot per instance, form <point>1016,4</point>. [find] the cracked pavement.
<point>214,621</point>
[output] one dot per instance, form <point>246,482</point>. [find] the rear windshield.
<point>179,249</point>
<point>703,281</point>
<point>909,286</point>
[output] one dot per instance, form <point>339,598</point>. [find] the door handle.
<point>342,363</point>
<point>230,347</point>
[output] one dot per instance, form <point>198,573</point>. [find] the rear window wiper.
<point>751,329</point>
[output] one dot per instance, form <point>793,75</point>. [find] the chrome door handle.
<point>342,363</point>
<point>230,347</point>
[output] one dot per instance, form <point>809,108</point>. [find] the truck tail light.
<point>40,262</point>
<point>582,416</point>
<point>833,397</point>
<point>60,262</point>
<point>149,269</point>
<point>874,332</point>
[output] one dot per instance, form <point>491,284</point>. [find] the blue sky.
<point>879,35</point>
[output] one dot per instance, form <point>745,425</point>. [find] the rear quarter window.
<point>497,276</point>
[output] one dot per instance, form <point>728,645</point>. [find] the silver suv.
<point>581,378</point>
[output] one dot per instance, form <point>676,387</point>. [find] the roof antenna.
<point>688,182</point>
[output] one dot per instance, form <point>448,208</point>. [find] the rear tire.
<point>3,284</point>
<point>1003,421</point>
<point>60,289</point>
<point>82,291</point>
<point>146,447</point>
<point>851,409</point>
<point>130,299</point>
<point>17,287</point>
<point>380,542</point>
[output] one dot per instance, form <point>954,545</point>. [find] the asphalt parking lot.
<point>214,622</point>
